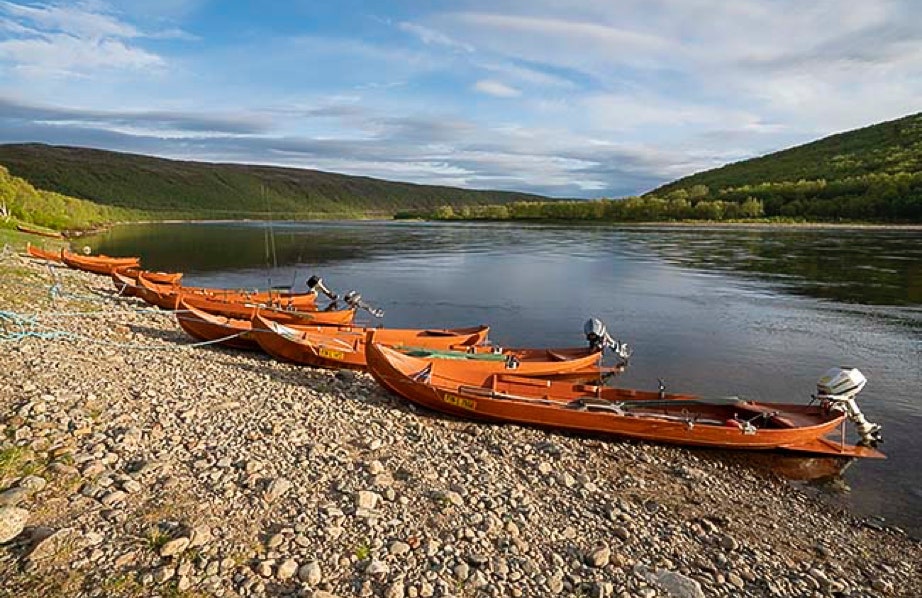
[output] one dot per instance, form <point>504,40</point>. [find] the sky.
<point>567,98</point>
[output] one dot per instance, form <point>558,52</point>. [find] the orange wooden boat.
<point>132,272</point>
<point>242,306</point>
<point>126,279</point>
<point>203,326</point>
<point>165,295</point>
<point>97,264</point>
<point>671,418</point>
<point>344,346</point>
<point>44,254</point>
<point>37,231</point>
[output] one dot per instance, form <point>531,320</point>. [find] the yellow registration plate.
<point>460,402</point>
<point>331,354</point>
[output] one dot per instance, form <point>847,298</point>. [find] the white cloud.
<point>74,40</point>
<point>431,36</point>
<point>496,88</point>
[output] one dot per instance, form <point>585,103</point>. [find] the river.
<point>757,312</point>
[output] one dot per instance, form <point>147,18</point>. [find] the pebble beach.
<point>136,463</point>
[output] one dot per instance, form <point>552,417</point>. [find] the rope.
<point>29,327</point>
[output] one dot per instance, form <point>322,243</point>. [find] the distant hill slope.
<point>870,173</point>
<point>201,189</point>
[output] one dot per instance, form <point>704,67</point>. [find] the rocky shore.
<point>134,464</point>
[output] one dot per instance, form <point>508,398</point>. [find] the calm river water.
<point>759,313</point>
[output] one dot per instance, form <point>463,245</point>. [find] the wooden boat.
<point>344,346</point>
<point>44,254</point>
<point>241,306</point>
<point>670,418</point>
<point>126,279</point>
<point>38,231</point>
<point>132,272</point>
<point>97,264</point>
<point>203,326</point>
<point>165,294</point>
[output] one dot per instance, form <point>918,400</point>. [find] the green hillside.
<point>178,189</point>
<point>873,173</point>
<point>20,202</point>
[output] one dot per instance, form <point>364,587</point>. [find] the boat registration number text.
<point>460,402</point>
<point>331,354</point>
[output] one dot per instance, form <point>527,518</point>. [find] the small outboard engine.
<point>837,390</point>
<point>354,300</point>
<point>315,284</point>
<point>599,339</point>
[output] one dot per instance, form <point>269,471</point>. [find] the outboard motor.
<point>599,339</point>
<point>837,390</point>
<point>354,300</point>
<point>315,284</point>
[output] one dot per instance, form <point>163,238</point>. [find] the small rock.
<point>33,482</point>
<point>286,569</point>
<point>113,498</point>
<point>399,548</point>
<point>599,556</point>
<point>462,571</point>
<point>13,496</point>
<point>163,574</point>
<point>12,521</point>
<point>275,540</point>
<point>277,488</point>
<point>366,499</point>
<point>131,486</point>
<point>50,546</point>
<point>310,573</point>
<point>377,569</point>
<point>263,568</point>
<point>375,467</point>
<point>174,547</point>
<point>200,535</point>
<point>679,585</point>
<point>395,590</point>
<point>728,543</point>
<point>884,586</point>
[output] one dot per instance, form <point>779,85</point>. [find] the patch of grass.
<point>363,551</point>
<point>125,585</point>
<point>17,462</point>
<point>156,538</point>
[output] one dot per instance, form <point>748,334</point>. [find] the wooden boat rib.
<point>98,264</point>
<point>239,306</point>
<point>672,418</point>
<point>344,346</point>
<point>44,254</point>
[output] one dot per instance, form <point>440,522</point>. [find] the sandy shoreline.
<point>134,464</point>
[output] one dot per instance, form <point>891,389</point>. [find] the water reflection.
<point>871,267</point>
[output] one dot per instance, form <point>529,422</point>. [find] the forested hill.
<point>180,189</point>
<point>870,173</point>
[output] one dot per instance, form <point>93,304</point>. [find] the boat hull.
<point>674,419</point>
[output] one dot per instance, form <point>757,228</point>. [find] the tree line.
<point>868,198</point>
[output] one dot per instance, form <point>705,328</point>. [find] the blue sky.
<point>570,99</point>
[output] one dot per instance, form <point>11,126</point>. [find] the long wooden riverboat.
<point>97,264</point>
<point>44,254</point>
<point>730,423</point>
<point>344,347</point>
<point>290,309</point>
<point>52,234</point>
